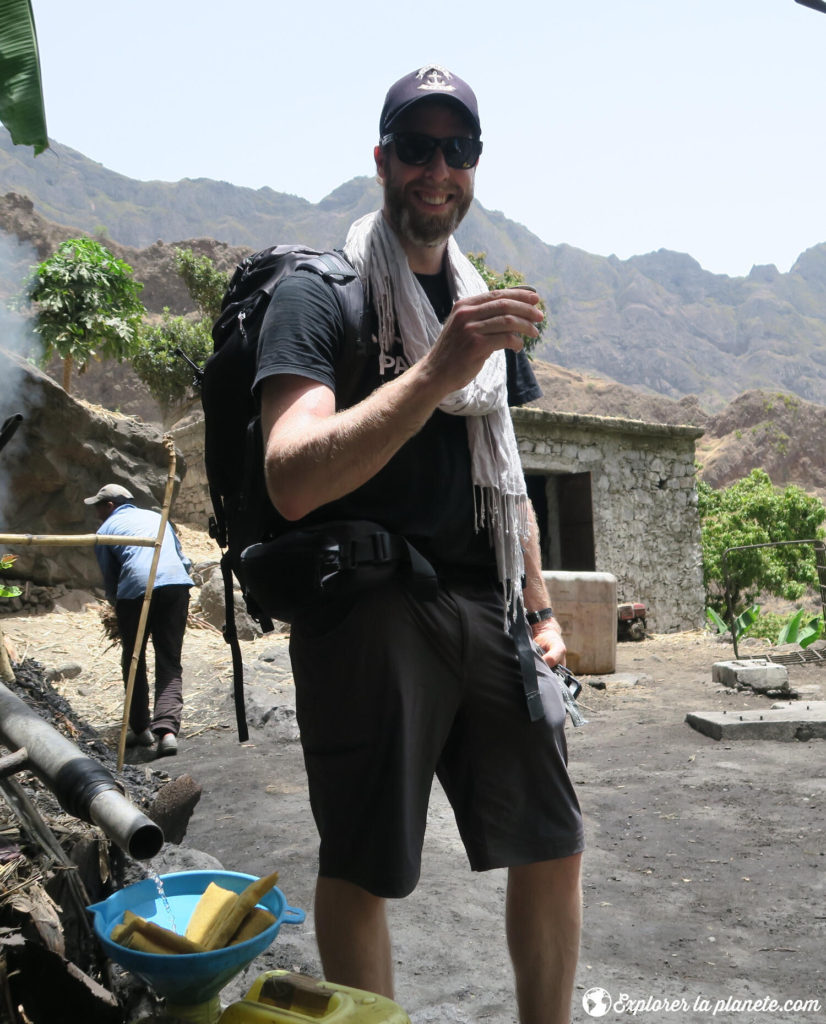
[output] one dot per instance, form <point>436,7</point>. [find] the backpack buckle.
<point>328,564</point>
<point>382,552</point>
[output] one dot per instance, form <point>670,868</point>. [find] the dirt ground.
<point>703,878</point>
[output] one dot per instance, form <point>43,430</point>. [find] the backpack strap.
<point>231,637</point>
<point>351,295</point>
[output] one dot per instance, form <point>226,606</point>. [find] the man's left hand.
<point>548,637</point>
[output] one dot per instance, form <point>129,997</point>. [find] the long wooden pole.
<point>57,540</point>
<point>71,540</point>
<point>150,583</point>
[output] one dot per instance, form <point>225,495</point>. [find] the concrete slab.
<point>789,721</point>
<point>758,674</point>
<point>808,691</point>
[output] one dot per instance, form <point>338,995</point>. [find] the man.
<point>125,569</point>
<point>391,688</point>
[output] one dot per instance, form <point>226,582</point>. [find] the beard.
<point>420,228</point>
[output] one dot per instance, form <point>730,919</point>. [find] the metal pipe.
<point>83,787</point>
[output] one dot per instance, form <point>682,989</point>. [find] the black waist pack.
<point>307,568</point>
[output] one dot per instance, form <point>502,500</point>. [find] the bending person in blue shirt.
<point>125,571</point>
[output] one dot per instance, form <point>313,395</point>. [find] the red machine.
<point>631,621</point>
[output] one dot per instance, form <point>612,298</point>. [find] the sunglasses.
<point>417,150</point>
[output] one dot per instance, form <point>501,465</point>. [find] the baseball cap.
<point>109,492</point>
<point>428,82</point>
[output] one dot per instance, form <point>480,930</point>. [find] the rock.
<point>210,602</point>
<point>171,858</point>
<point>62,452</point>
<point>268,707</point>
<point>74,601</point>
<point>69,670</point>
<point>173,806</point>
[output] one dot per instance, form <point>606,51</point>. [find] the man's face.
<point>426,204</point>
<point>104,509</point>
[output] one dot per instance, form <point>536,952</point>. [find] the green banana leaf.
<point>21,93</point>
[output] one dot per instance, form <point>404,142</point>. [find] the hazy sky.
<point>618,126</point>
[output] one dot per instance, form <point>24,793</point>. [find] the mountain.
<point>657,322</point>
<point>655,337</point>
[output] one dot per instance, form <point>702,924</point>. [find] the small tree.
<point>753,511</point>
<point>87,305</point>
<point>204,283</point>
<point>165,373</point>
<point>168,377</point>
<point>510,278</point>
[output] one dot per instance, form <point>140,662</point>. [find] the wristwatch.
<point>534,618</point>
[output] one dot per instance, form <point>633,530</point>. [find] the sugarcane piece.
<point>244,903</point>
<point>256,921</point>
<point>122,933</point>
<point>147,937</point>
<point>210,911</point>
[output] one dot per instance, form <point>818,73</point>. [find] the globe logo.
<point>596,1002</point>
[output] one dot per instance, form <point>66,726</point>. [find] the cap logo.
<point>435,78</point>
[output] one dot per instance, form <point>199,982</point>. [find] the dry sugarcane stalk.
<point>150,583</point>
<point>109,622</point>
<point>6,671</point>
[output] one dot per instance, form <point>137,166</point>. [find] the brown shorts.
<point>391,690</point>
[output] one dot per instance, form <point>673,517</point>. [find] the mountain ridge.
<point>655,337</point>
<point>657,321</point>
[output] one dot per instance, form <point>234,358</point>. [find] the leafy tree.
<point>753,511</point>
<point>510,278</point>
<point>21,92</point>
<point>204,283</point>
<point>168,376</point>
<point>87,305</point>
<point>161,369</point>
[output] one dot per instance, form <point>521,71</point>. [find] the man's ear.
<point>378,156</point>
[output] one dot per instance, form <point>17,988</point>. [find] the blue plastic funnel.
<point>188,978</point>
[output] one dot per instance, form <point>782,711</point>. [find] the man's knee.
<point>558,876</point>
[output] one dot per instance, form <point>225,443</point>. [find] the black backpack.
<point>233,447</point>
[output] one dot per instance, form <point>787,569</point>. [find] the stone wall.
<point>192,505</point>
<point>645,521</point>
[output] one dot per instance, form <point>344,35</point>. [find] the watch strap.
<point>534,618</point>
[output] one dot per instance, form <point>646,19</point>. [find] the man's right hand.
<point>314,455</point>
<point>479,325</point>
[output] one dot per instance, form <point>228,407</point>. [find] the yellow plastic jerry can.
<point>282,997</point>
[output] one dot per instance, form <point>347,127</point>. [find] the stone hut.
<point>611,495</point>
<point>619,496</point>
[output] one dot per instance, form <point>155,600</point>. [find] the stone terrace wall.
<point>646,525</point>
<point>192,505</point>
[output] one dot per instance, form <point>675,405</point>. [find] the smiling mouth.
<point>431,200</point>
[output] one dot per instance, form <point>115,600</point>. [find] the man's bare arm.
<point>547,633</point>
<point>314,454</point>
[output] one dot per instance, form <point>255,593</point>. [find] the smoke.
<point>17,339</point>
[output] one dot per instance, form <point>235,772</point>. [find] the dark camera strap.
<point>521,635</point>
